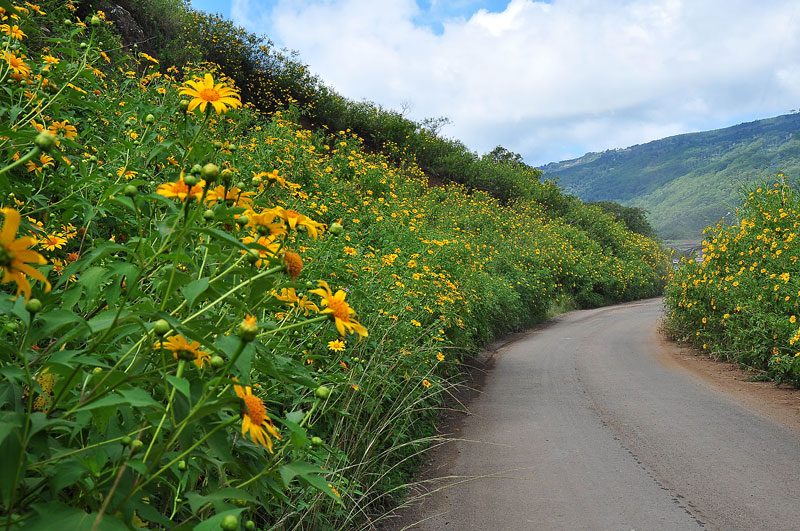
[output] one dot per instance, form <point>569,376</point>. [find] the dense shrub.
<point>740,302</point>
<point>182,348</point>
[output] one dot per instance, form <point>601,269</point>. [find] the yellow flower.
<point>17,64</point>
<point>181,190</point>
<point>337,345</point>
<point>255,421</point>
<point>426,383</point>
<point>187,350</point>
<point>268,247</point>
<point>439,356</point>
<point>51,242</point>
<point>149,58</point>
<point>45,160</point>
<point>272,177</point>
<point>205,91</point>
<point>349,251</point>
<point>13,31</point>
<point>342,313</point>
<point>288,295</point>
<point>233,195</point>
<point>64,128</point>
<point>15,255</point>
<point>263,222</point>
<point>295,219</point>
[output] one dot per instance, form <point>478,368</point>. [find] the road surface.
<point>581,425</point>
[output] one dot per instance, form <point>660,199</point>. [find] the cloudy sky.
<point>550,80</point>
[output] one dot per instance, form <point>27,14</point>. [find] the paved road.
<point>581,427</point>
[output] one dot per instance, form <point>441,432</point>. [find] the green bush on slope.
<point>183,311</point>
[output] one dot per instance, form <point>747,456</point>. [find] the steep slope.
<point>687,181</point>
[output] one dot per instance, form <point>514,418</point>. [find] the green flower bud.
<point>229,523</point>
<point>190,180</point>
<point>161,327</point>
<point>196,169</point>
<point>208,215</point>
<point>217,362</point>
<point>126,441</point>
<point>184,105</point>
<point>253,256</point>
<point>322,392</point>
<point>181,465</point>
<point>316,441</point>
<point>210,172</point>
<point>95,20</point>
<point>136,445</point>
<point>33,306</point>
<point>45,141</point>
<point>248,328</point>
<point>130,190</point>
<point>336,228</point>
<point>250,525</point>
<point>149,119</point>
<point>242,220</point>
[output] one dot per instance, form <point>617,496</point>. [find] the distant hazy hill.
<point>688,181</point>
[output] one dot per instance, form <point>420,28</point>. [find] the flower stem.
<point>22,160</point>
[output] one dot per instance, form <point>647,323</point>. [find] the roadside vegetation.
<point>214,316</point>
<point>741,302</point>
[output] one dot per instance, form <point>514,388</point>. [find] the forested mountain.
<point>687,181</point>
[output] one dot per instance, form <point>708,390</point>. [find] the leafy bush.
<point>183,349</point>
<point>740,302</point>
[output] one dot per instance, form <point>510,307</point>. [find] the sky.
<point>549,80</point>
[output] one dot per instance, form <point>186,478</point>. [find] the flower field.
<point>214,318</point>
<point>741,302</point>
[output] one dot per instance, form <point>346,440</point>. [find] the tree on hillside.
<point>635,218</point>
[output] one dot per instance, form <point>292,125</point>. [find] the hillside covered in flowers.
<point>214,317</point>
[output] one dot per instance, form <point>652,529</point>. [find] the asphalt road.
<point>581,426</point>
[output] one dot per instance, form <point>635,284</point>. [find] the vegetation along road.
<point>590,424</point>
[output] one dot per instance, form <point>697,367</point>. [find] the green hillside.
<point>229,300</point>
<point>688,181</point>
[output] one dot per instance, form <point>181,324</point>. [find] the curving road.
<point>581,426</point>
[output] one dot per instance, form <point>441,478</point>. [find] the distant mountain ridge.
<point>688,181</point>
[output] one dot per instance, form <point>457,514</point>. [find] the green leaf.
<point>197,501</point>
<point>181,384</point>
<point>131,397</point>
<point>298,468</point>
<point>213,523</point>
<point>299,437</point>
<point>222,235</point>
<point>106,320</point>
<point>194,289</point>
<point>54,515</point>
<point>55,320</point>
<point>10,423</point>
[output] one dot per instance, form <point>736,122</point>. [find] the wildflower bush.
<point>216,318</point>
<point>741,302</point>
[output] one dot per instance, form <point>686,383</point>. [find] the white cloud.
<point>552,80</point>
